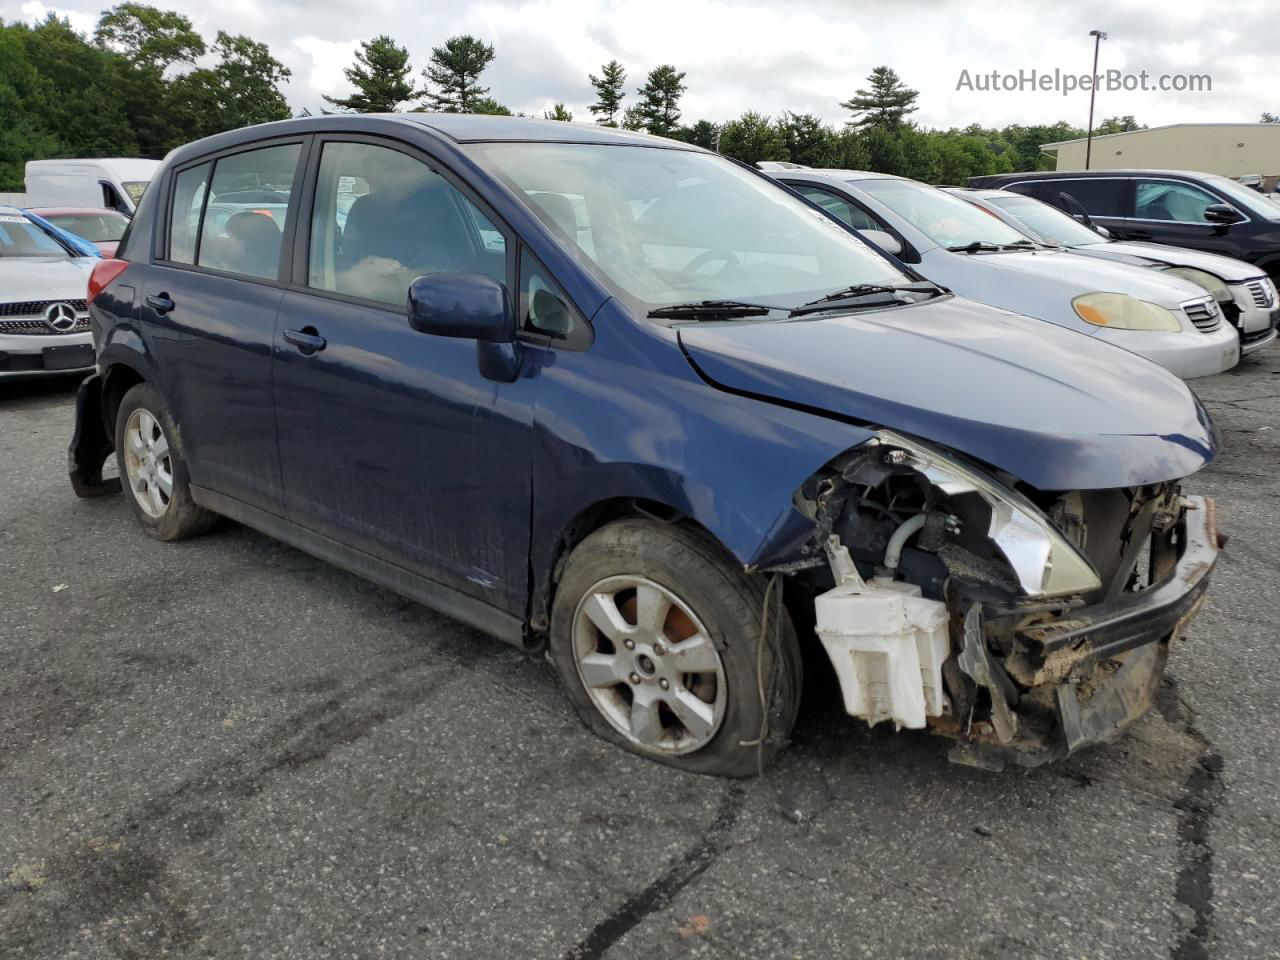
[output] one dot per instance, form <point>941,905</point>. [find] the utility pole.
<point>1098,37</point>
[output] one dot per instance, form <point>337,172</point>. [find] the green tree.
<point>633,118</point>
<point>659,106</point>
<point>887,101</point>
<point>241,89</point>
<point>455,70</point>
<point>148,37</point>
<point>1118,125</point>
<point>24,94</point>
<point>753,137</point>
<point>380,75</point>
<point>808,140</point>
<point>558,112</point>
<point>1269,118</point>
<point>609,92</point>
<point>490,106</point>
<point>701,134</point>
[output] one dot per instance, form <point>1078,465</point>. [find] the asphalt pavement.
<point>224,748</point>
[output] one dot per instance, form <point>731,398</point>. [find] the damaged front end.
<point>1022,624</point>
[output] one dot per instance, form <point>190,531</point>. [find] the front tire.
<point>656,633</point>
<point>152,470</point>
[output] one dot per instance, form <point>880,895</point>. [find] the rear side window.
<point>1101,198</point>
<point>189,189</point>
<point>383,218</point>
<point>242,227</point>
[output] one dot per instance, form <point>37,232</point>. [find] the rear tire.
<point>672,675</point>
<point>152,469</point>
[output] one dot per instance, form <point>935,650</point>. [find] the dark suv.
<point>623,398</point>
<point>1183,208</point>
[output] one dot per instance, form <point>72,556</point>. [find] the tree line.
<point>133,88</point>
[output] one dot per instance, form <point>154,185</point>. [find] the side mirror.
<point>885,241</point>
<point>1102,231</point>
<point>1221,213</point>
<point>469,306</point>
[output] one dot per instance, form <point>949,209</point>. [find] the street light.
<point>1098,37</point>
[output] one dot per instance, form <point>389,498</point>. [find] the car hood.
<point>1057,409</point>
<point>1226,268</point>
<point>1077,275</point>
<point>44,278</point>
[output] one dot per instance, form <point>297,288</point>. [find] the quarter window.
<point>242,228</point>
<point>1166,200</point>
<point>184,219</point>
<point>543,306</point>
<point>383,218</point>
<point>839,208</point>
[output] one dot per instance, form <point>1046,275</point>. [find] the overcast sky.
<point>804,55</point>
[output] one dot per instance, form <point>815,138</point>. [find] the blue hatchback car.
<point>626,400</point>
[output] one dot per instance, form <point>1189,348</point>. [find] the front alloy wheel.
<point>648,665</point>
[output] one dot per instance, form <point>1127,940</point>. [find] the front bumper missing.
<point>1103,664</point>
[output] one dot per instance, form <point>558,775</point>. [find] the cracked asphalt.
<point>224,748</point>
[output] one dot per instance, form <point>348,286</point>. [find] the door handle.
<point>307,340</point>
<point>160,303</point>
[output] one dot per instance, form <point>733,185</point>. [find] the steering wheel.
<point>731,261</point>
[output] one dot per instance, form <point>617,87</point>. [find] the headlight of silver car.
<point>1119,311</point>
<point>1045,564</point>
<point>1217,289</point>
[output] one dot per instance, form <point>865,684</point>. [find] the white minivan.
<point>116,183</point>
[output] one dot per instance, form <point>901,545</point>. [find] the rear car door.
<point>209,312</point>
<point>391,440</point>
<point>1172,211</point>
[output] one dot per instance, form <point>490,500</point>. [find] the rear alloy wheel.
<point>656,634</point>
<point>152,469</point>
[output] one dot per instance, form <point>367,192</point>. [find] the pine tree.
<point>380,75</point>
<point>558,112</point>
<point>455,69</point>
<point>660,103</point>
<point>885,104</point>
<point>609,89</point>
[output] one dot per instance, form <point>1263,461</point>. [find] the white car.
<point>1245,294</point>
<point>44,327</point>
<point>1172,321</point>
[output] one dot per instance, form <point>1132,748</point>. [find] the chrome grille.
<point>33,327</point>
<point>1263,293</point>
<point>1204,314</point>
<point>36,308</point>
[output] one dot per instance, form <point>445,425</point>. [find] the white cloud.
<point>328,59</point>
<point>82,22</point>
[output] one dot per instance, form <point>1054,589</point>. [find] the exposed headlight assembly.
<point>1045,563</point>
<point>1201,278</point>
<point>1119,311</point>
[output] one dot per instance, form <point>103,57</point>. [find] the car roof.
<point>1077,174</point>
<point>10,211</point>
<point>65,211</point>
<point>986,193</point>
<point>455,127</point>
<point>845,175</point>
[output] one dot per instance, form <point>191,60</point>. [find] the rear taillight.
<point>104,271</point>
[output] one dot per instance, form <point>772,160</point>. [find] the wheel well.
<point>118,381</point>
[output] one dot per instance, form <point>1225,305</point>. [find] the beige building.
<point>1230,149</point>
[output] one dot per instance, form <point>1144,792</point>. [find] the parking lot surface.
<point>224,748</point>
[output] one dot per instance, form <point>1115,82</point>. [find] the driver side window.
<point>1174,202</point>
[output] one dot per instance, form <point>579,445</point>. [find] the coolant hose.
<point>893,552</point>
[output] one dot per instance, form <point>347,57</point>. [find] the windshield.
<point>673,226</point>
<point>19,237</point>
<point>1242,196</point>
<point>1048,223</point>
<point>945,219</point>
<point>134,189</point>
<point>95,227</point>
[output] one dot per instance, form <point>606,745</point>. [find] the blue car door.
<point>208,314</point>
<point>392,441</point>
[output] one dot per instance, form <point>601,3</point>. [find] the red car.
<point>100,226</point>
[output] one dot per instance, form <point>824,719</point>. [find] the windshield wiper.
<point>976,247</point>
<point>712,309</point>
<point>860,291</point>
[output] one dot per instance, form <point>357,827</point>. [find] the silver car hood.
<point>1226,268</point>
<point>1075,275</point>
<point>44,278</point>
